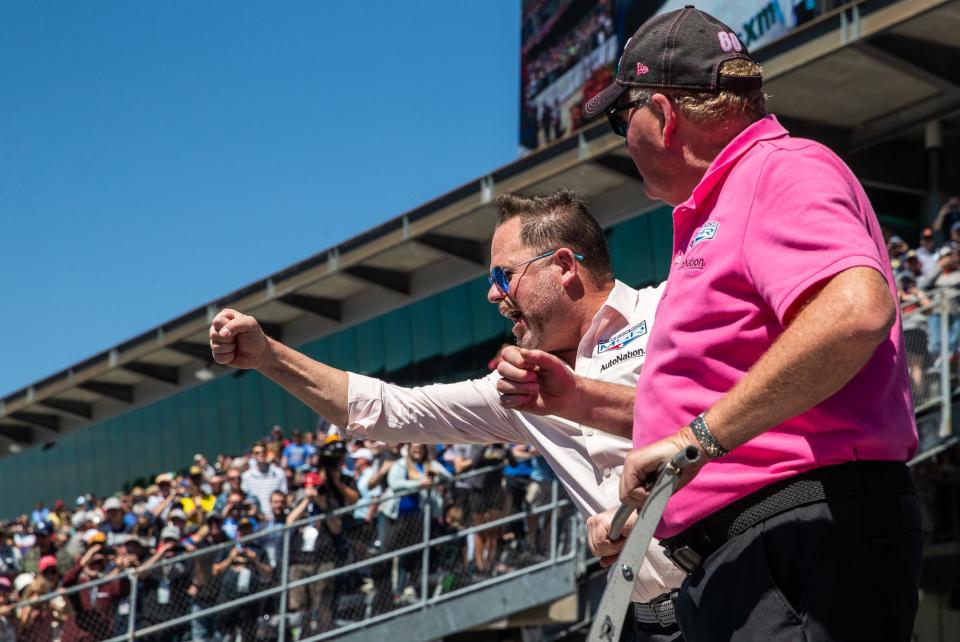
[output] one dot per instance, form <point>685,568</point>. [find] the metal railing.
<point>315,585</point>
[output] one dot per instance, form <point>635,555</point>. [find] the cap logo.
<point>729,41</point>
<point>642,69</point>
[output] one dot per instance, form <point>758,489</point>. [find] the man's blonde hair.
<point>707,107</point>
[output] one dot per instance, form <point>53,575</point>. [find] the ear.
<point>668,115</point>
<point>569,266</point>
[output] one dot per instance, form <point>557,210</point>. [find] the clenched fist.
<point>237,340</point>
<point>535,381</point>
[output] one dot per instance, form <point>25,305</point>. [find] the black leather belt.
<point>852,479</point>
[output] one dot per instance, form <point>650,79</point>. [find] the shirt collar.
<point>621,301</point>
<point>767,128</point>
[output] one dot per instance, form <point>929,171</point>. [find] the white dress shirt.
<point>587,462</point>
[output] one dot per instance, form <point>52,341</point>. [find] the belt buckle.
<point>683,557</point>
<point>664,610</point>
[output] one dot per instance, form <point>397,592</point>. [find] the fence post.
<point>284,580</point>
<point>425,560</point>
<point>132,618</point>
<point>553,520</point>
<point>946,398</point>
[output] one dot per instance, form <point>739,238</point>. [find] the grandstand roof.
<point>861,75</point>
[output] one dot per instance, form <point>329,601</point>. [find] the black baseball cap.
<point>682,49</point>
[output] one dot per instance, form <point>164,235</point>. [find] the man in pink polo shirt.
<point>777,352</point>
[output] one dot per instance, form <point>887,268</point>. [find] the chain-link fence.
<point>317,577</point>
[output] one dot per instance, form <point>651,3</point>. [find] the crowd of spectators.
<point>546,66</point>
<point>282,479</point>
<point>927,275</point>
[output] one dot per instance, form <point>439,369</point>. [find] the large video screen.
<point>569,50</point>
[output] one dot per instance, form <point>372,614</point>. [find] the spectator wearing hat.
<point>178,519</point>
<point>47,569</point>
<point>161,502</point>
<point>115,526</point>
<point>197,499</point>
<point>332,455</point>
<point>147,527</point>
<point>897,248</point>
<point>927,251</point>
<point>166,583</point>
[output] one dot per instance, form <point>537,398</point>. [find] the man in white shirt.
<point>262,480</point>
<point>551,276</point>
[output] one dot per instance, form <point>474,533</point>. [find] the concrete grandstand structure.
<point>877,80</point>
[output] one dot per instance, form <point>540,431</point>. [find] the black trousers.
<point>844,569</point>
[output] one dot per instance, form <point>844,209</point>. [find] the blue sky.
<point>154,156</point>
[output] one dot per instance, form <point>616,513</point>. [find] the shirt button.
<point>606,472</point>
<point>589,433</point>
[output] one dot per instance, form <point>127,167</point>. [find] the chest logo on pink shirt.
<point>621,339</point>
<point>705,232</point>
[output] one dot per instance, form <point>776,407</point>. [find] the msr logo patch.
<point>621,339</point>
<point>705,232</point>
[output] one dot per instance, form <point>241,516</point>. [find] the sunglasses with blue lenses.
<point>500,276</point>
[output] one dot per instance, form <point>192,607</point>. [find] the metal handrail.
<point>554,506</point>
<point>134,575</point>
<point>274,531</point>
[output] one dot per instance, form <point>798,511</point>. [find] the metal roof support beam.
<point>891,125</point>
<point>328,308</point>
<point>922,74</point>
<point>116,391</point>
<point>196,350</point>
<point>78,409</point>
<point>389,279</point>
<point>43,420</point>
<point>163,374</point>
<point>466,249</point>
<point>880,129</point>
<point>17,432</point>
